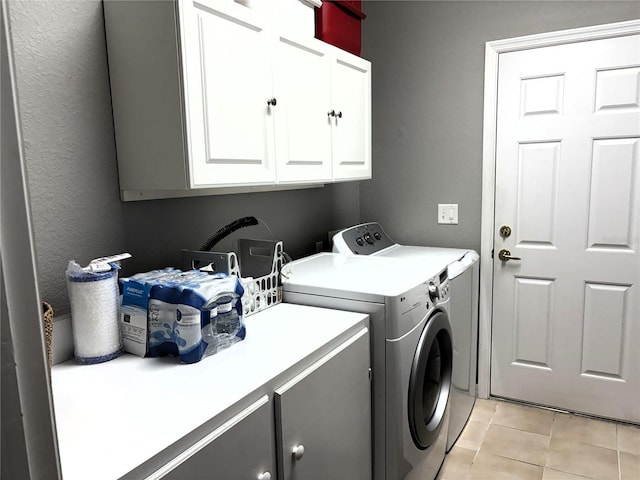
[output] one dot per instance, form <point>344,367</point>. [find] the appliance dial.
<point>368,238</point>
<point>377,235</point>
<point>359,241</point>
<point>434,292</point>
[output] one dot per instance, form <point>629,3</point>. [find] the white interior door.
<point>566,317</point>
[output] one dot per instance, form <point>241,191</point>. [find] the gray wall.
<point>67,124</point>
<point>428,80</point>
<point>427,126</point>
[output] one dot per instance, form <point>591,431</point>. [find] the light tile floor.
<point>504,440</point>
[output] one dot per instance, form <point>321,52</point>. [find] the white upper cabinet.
<point>351,119</point>
<point>211,96</point>
<point>229,95</point>
<point>303,128</point>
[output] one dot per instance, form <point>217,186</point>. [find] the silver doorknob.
<point>298,452</point>
<point>339,114</point>
<point>331,113</point>
<point>505,255</point>
<point>264,476</point>
<point>272,102</point>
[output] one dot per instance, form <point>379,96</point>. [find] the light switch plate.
<point>448,213</point>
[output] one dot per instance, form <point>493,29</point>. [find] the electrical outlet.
<point>448,213</point>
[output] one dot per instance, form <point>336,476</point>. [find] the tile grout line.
<point>525,431</point>
<point>488,425</point>
<point>553,424</point>
<point>553,430</point>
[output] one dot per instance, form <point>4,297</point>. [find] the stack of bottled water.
<point>227,322</point>
<point>188,314</point>
<point>225,326</point>
<point>208,332</point>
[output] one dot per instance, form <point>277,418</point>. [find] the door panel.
<point>242,448</point>
<point>612,190</point>
<point>533,302</point>
<point>566,318</point>
<point>537,200</point>
<point>618,89</point>
<point>542,95</point>
<point>602,344</point>
<point>230,124</point>
<point>351,132</point>
<point>302,126</point>
<point>327,411</point>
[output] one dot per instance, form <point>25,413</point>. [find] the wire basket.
<point>257,263</point>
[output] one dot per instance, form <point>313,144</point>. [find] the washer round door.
<point>430,380</point>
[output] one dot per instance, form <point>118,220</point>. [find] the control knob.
<point>368,238</point>
<point>434,292</point>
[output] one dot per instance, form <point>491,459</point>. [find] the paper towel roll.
<point>94,315</point>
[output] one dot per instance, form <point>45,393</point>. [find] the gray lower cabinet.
<point>323,417</point>
<point>322,427</point>
<point>240,449</point>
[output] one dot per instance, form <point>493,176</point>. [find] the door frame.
<point>493,50</point>
<point>34,446</point>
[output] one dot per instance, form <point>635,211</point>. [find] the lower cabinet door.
<point>240,449</point>
<point>323,417</point>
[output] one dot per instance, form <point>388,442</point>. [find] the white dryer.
<point>411,350</point>
<point>371,240</point>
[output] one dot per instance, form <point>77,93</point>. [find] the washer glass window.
<point>430,381</point>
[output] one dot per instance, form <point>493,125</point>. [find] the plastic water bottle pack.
<point>183,311</point>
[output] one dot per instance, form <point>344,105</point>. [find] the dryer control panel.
<point>439,289</point>
<point>413,306</point>
<point>364,239</point>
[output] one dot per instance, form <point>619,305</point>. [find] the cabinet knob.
<point>272,102</point>
<point>264,476</point>
<point>298,452</point>
<point>339,114</point>
<point>331,113</point>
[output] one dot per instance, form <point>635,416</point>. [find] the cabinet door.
<point>303,129</point>
<point>241,449</point>
<point>351,100</point>
<point>228,73</point>
<point>324,414</point>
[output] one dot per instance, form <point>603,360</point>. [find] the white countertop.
<point>112,417</point>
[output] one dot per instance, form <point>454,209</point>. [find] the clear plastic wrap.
<point>94,314</point>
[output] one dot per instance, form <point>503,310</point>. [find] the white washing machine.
<point>370,239</point>
<point>411,350</point>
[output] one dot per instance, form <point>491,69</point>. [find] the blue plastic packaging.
<point>180,309</point>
